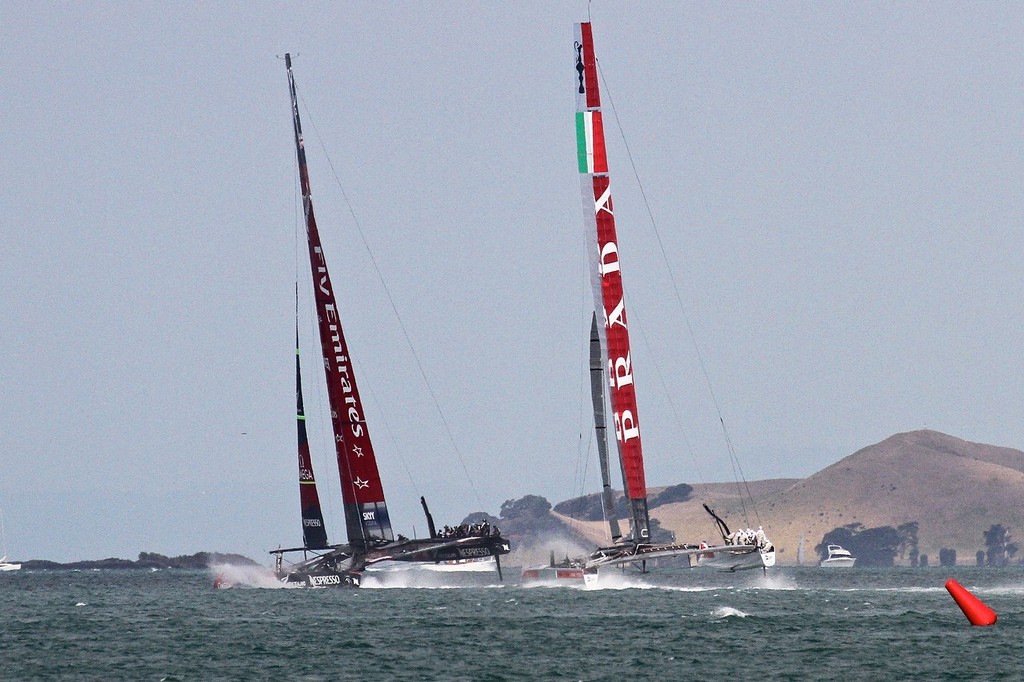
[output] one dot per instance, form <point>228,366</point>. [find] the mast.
<point>597,381</point>
<point>366,513</point>
<point>606,278</point>
<point>314,533</point>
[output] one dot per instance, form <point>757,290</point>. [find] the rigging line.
<point>326,451</point>
<point>675,288</point>
<point>636,321</point>
<point>381,413</point>
<point>584,364</point>
<point>3,533</point>
<point>579,495</point>
<point>583,453</point>
<point>394,308</point>
<point>324,466</point>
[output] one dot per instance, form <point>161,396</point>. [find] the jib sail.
<point>314,534</point>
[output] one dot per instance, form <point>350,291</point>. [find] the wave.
<point>230,575</point>
<point>723,612</point>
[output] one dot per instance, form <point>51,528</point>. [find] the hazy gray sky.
<point>837,187</point>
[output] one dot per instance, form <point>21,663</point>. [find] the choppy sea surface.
<point>674,624</point>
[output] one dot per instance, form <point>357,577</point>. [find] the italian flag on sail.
<point>590,142</point>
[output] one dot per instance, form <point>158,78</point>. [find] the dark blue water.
<point>674,625</point>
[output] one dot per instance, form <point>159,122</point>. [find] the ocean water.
<point>676,624</point>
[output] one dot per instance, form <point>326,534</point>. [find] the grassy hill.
<point>954,489</point>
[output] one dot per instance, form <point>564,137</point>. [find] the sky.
<point>819,211</point>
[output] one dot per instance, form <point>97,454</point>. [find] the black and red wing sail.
<point>366,513</point>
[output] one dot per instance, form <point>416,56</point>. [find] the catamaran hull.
<point>731,561</point>
<point>322,579</point>
<point>343,567</point>
<point>480,565</point>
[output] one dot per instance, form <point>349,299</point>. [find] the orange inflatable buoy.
<point>975,610</point>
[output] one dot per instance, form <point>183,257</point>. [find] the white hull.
<point>476,565</point>
<point>8,566</point>
<point>735,560</point>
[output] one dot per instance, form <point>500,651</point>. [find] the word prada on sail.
<point>620,369</point>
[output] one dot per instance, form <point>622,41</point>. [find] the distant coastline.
<point>146,560</point>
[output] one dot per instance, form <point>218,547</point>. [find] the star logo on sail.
<point>360,483</point>
<point>357,450</point>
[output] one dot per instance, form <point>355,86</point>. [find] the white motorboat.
<point>838,558</point>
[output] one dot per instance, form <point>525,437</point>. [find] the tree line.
<point>882,545</point>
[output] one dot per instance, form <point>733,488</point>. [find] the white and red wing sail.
<point>599,219</point>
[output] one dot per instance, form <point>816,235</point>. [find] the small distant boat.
<point>838,558</point>
<point>5,565</point>
<point>575,571</point>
